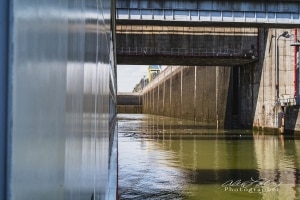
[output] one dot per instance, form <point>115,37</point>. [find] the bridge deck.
<point>214,12</point>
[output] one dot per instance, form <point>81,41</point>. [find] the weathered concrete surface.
<point>193,46</point>
<point>157,59</point>
<point>195,93</point>
<point>129,109</point>
<point>223,95</point>
<point>266,113</point>
<point>127,98</point>
<point>129,103</point>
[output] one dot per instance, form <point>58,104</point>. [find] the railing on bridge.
<point>206,15</point>
<point>265,13</point>
<point>192,52</point>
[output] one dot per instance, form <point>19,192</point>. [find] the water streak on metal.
<point>4,34</point>
<point>62,94</point>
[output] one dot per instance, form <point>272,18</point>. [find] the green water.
<point>167,158</point>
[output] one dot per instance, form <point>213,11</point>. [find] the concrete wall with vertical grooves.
<point>206,94</point>
<point>129,103</point>
<point>136,109</point>
<point>188,84</point>
<point>195,93</point>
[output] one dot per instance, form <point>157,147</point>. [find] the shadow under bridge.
<point>173,45</point>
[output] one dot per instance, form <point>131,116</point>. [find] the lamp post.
<point>285,34</point>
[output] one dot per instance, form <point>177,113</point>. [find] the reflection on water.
<point>167,158</point>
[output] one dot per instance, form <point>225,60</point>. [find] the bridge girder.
<point>276,13</point>
<point>184,60</point>
<point>192,46</point>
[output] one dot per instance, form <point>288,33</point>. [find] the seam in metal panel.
<point>4,52</point>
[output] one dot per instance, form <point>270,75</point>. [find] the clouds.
<point>129,75</point>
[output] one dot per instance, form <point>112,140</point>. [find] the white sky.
<point>129,75</point>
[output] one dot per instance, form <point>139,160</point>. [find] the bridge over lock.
<point>209,33</point>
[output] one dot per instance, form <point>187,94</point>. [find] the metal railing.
<point>206,15</point>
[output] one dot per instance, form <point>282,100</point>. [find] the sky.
<point>129,75</point>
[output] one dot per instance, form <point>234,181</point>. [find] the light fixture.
<point>285,34</point>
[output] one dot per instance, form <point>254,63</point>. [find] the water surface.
<point>167,158</point>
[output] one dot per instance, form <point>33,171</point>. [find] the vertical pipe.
<point>297,74</point>
<point>276,67</point>
<point>170,107</point>
<point>181,74</point>
<point>239,93</point>
<point>195,92</point>
<point>258,43</point>
<point>295,63</point>
<point>4,63</point>
<point>217,92</point>
<point>164,91</point>
<point>158,96</point>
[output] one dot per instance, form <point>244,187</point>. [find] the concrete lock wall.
<point>246,94</point>
<point>129,103</point>
<point>195,93</point>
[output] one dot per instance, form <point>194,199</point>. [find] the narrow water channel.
<point>166,158</point>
